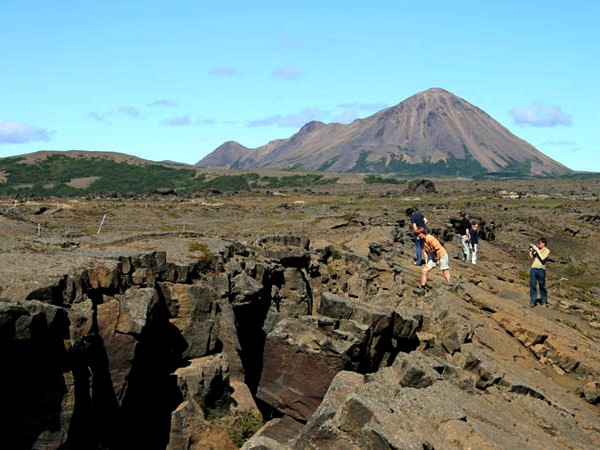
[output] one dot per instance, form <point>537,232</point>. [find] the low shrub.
<point>244,426</point>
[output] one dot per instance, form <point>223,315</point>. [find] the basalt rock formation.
<point>332,347</point>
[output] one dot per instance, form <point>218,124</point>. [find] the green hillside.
<point>62,175</point>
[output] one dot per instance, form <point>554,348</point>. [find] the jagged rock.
<point>106,276</point>
<point>289,251</point>
<point>36,387</point>
<point>318,429</point>
<point>485,371</point>
<point>228,338</point>
<point>196,316</point>
<point>450,329</point>
<point>206,392</point>
<point>591,392</point>
<point>301,357</point>
<point>242,399</point>
<point>293,296</point>
<point>244,290</point>
<point>453,332</point>
<point>420,187</point>
<point>186,424</point>
<point>416,371</point>
<point>176,273</point>
<point>264,443</point>
<point>386,326</point>
<point>99,354</point>
<point>375,412</point>
<point>121,322</point>
<point>50,291</point>
<point>275,434</point>
<point>205,382</point>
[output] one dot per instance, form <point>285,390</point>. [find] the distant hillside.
<point>75,173</point>
<point>433,133</point>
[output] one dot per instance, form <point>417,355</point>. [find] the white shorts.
<point>444,264</point>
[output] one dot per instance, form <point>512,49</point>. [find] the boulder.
<point>205,384</point>
<point>301,357</point>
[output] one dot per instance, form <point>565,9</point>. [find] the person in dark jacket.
<point>474,241</point>
<point>417,220</point>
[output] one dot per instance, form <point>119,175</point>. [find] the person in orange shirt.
<point>436,254</point>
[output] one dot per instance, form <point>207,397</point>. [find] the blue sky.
<point>173,80</point>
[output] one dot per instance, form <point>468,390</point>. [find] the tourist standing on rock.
<point>537,274</point>
<point>465,236</point>
<point>474,241</point>
<point>435,254</point>
<point>417,220</point>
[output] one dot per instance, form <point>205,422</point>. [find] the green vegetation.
<point>244,427</point>
<point>452,167</point>
<point>371,179</point>
<point>573,270</point>
<point>54,176</point>
<point>206,257</point>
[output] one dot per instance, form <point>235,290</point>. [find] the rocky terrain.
<point>164,322</point>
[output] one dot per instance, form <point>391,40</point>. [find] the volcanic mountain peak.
<point>433,132</point>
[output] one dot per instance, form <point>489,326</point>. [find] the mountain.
<point>431,133</point>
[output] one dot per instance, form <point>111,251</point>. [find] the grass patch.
<point>574,270</point>
<point>206,257</point>
<point>244,426</point>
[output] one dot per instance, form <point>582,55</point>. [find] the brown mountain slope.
<point>432,132</point>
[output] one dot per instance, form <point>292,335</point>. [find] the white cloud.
<point>352,111</point>
<point>265,122</point>
<point>291,120</point>
<point>540,115</point>
<point>222,71</point>
<point>19,133</point>
<point>177,121</point>
<point>287,73</point>
<point>347,116</point>
<point>130,111</point>
<point>97,116</point>
<point>164,102</point>
<point>349,112</point>
<point>102,116</point>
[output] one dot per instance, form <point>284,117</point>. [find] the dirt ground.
<point>516,212</point>
<point>52,237</point>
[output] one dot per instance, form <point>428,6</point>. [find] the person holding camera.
<point>537,274</point>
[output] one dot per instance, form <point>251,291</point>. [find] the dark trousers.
<point>419,260</point>
<point>537,277</point>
